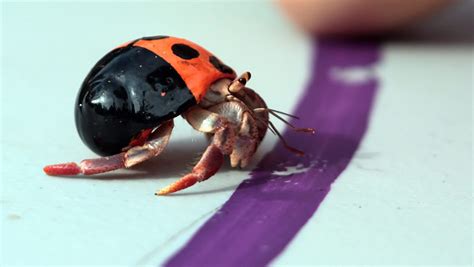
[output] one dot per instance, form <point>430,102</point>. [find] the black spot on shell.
<point>156,37</point>
<point>131,43</point>
<point>219,65</point>
<point>184,51</point>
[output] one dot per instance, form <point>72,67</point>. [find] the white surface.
<point>405,199</point>
<point>117,220</point>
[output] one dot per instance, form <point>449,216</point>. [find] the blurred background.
<point>406,197</point>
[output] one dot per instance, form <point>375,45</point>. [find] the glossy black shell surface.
<point>129,90</point>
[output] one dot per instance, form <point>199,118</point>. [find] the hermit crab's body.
<point>127,103</point>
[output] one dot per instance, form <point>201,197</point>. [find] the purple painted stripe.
<point>267,210</point>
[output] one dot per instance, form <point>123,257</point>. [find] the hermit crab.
<point>126,106</point>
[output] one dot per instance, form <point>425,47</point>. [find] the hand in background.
<point>352,17</point>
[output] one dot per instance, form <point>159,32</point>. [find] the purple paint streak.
<point>267,210</point>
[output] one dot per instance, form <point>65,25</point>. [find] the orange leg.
<point>207,166</point>
<point>224,135</point>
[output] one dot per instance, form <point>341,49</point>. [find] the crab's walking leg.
<point>152,148</point>
<point>212,159</point>
<point>207,166</point>
<point>87,166</point>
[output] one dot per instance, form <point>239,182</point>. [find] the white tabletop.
<point>406,197</point>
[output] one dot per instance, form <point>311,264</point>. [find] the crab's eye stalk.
<point>239,83</point>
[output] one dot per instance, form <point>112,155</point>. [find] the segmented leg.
<point>207,166</point>
<point>210,122</point>
<point>222,144</point>
<point>152,148</point>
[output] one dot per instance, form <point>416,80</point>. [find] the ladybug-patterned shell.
<point>140,84</point>
<point>196,66</point>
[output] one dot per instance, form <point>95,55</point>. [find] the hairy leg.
<point>222,143</point>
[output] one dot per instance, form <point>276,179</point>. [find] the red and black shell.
<point>139,85</point>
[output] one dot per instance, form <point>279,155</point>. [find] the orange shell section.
<point>198,73</point>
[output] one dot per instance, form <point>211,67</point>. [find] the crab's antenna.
<point>266,123</point>
<point>274,113</point>
<point>284,113</point>
<point>290,148</point>
<point>304,130</point>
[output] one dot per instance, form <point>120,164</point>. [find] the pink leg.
<point>222,143</point>
<point>87,166</point>
<point>157,143</point>
<point>207,166</point>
